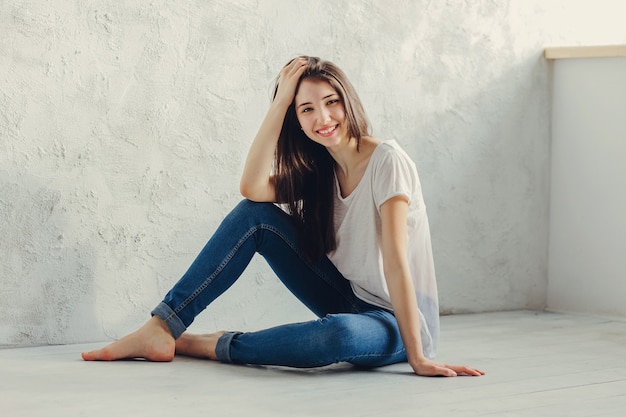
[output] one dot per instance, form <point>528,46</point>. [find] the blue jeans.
<point>348,329</point>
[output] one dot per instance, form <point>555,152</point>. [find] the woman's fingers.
<point>445,371</point>
<point>290,75</point>
<point>293,68</point>
<point>466,370</point>
<point>433,368</point>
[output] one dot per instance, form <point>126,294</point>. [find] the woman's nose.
<point>324,116</point>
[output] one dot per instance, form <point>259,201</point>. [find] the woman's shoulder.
<point>393,173</point>
<point>390,151</point>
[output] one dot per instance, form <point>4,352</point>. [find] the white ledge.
<point>600,51</point>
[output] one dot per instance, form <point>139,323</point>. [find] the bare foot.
<point>153,341</point>
<point>198,345</point>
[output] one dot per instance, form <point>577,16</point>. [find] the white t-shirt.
<point>390,172</point>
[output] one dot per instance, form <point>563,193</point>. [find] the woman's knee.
<point>249,206</point>
<point>363,328</point>
<point>247,212</point>
<point>259,218</point>
<point>364,340</point>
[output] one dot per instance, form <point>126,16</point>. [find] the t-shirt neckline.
<point>349,197</point>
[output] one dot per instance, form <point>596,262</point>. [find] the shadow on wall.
<point>490,152</point>
<point>46,273</point>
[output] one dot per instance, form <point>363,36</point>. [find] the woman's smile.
<point>327,131</point>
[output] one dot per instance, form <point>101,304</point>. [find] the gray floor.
<point>538,364</point>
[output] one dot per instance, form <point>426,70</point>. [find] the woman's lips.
<point>327,131</point>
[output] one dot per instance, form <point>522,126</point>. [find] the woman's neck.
<point>346,155</point>
<point>351,164</point>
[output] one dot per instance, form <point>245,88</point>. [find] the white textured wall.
<point>123,126</point>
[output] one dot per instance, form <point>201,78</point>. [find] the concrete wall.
<point>123,126</point>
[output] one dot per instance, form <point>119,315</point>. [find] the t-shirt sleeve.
<point>394,175</point>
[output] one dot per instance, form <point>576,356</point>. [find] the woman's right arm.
<point>257,183</point>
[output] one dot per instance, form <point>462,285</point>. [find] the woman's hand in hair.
<point>257,181</point>
<point>288,80</point>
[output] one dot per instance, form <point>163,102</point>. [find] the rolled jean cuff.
<point>175,324</point>
<point>222,349</point>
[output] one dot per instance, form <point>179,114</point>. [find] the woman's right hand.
<point>427,367</point>
<point>288,80</point>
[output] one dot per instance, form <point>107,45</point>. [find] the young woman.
<point>352,242</point>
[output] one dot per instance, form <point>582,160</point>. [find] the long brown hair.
<point>304,170</point>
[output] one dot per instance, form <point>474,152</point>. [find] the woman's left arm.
<point>394,214</point>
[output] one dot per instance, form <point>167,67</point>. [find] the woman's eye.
<point>333,101</point>
<point>306,110</point>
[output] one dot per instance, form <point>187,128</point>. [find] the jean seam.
<point>218,270</point>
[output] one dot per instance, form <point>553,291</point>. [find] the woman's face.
<point>321,112</point>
